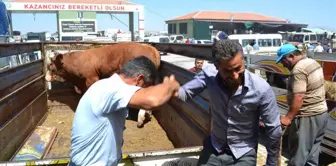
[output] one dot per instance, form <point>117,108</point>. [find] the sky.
<point>157,11</point>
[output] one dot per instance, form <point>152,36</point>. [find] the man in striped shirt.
<point>307,105</point>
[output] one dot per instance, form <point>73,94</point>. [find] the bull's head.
<point>55,68</point>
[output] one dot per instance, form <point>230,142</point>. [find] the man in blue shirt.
<point>97,131</point>
<point>238,98</point>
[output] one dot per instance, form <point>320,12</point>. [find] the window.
<point>79,14</point>
<point>16,33</point>
<point>171,28</point>
<point>164,40</point>
<point>183,28</point>
<point>245,42</point>
<point>265,42</point>
<point>199,42</point>
<point>297,38</point>
<point>72,38</point>
<point>33,37</point>
<point>306,38</point>
<point>313,38</point>
<point>146,40</point>
<point>276,42</point>
<point>179,37</point>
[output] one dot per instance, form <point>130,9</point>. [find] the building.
<point>201,24</point>
<point>76,18</point>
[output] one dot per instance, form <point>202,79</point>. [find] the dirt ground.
<point>151,137</point>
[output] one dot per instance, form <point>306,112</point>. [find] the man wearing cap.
<point>307,115</point>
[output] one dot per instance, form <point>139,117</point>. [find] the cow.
<point>83,68</point>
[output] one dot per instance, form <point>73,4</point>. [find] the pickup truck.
<point>36,117</point>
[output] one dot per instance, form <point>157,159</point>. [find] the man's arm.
<point>154,96</point>
<point>299,89</point>
<point>133,96</point>
<point>193,87</point>
<point>271,117</point>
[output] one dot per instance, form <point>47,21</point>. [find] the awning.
<point>270,25</point>
<point>248,25</point>
<point>314,30</point>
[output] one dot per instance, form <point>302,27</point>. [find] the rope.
<point>280,151</point>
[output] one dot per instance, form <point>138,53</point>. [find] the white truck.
<point>36,121</point>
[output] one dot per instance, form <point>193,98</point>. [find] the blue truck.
<point>4,26</point>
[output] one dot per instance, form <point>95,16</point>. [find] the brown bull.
<point>83,68</point>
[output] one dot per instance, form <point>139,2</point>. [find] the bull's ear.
<point>57,57</point>
<point>58,60</point>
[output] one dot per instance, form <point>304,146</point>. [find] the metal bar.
<point>19,89</point>
<point>18,48</point>
<point>20,66</point>
<point>22,129</point>
<point>189,50</point>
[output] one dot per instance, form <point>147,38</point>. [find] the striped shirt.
<point>307,77</point>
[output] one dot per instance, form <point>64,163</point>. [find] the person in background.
<point>318,48</point>
<point>97,131</point>
<point>249,48</point>
<point>187,41</point>
<point>307,116</point>
<point>238,98</point>
<point>198,66</point>
<point>255,46</point>
<point>329,48</point>
<point>192,41</point>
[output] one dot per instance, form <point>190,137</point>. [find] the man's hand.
<point>172,83</point>
<point>285,120</point>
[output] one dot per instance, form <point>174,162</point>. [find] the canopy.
<point>314,30</point>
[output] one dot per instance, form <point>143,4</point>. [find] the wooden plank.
<point>14,78</point>
<point>13,134</point>
<point>180,130</point>
<point>37,145</point>
<point>329,143</point>
<point>16,102</point>
<point>18,48</point>
<point>197,109</point>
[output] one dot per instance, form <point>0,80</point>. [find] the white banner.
<point>71,6</point>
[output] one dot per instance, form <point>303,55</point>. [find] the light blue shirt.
<point>256,46</point>
<point>97,130</point>
<point>235,119</point>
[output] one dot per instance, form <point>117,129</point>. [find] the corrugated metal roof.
<point>222,15</point>
<point>114,2</point>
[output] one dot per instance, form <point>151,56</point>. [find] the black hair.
<point>140,65</point>
<point>297,52</point>
<point>226,49</point>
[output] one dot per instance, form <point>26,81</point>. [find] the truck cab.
<point>303,37</point>
<point>176,38</point>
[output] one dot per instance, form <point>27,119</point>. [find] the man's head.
<point>288,55</point>
<point>229,61</point>
<point>199,64</point>
<point>139,71</point>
